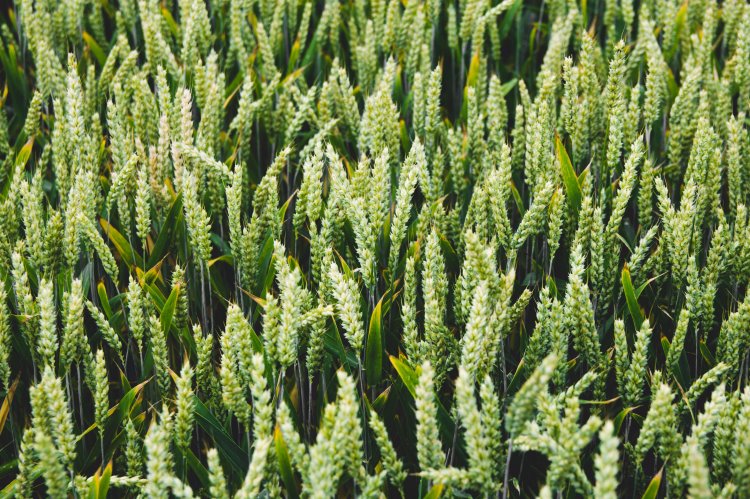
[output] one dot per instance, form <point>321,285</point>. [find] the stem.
<point>203,296</point>
<point>210,307</point>
<point>507,467</point>
<point>309,404</point>
<point>80,401</point>
<point>452,452</point>
<point>303,410</point>
<point>695,334</point>
<point>364,411</point>
<point>502,365</point>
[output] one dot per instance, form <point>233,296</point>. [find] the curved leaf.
<point>653,487</point>
<point>630,297</point>
<point>374,348</point>
<point>121,244</point>
<point>570,179</point>
<point>285,466</point>
<point>408,375</point>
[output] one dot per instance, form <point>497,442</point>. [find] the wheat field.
<point>374,248</point>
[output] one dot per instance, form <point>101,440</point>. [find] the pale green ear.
<point>606,463</point>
